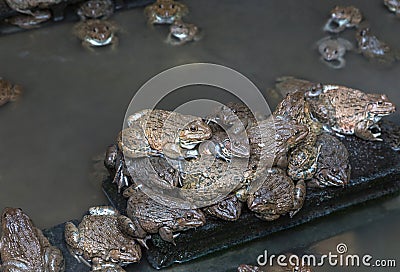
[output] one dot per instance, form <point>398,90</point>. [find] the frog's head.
<point>168,10</point>
<point>193,133</point>
<point>380,105</point>
<point>190,219</point>
<point>99,32</point>
<point>228,209</point>
<point>12,216</point>
<point>262,201</point>
<point>342,14</point>
<point>179,29</point>
<point>129,252</point>
<point>336,176</point>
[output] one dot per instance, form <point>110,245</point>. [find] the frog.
<point>23,247</point>
<point>332,51</point>
<point>25,6</point>
<point>277,195</point>
<point>104,238</point>
<point>228,209</point>
<point>9,92</point>
<point>347,111</point>
<point>342,17</point>
<point>115,164</point>
<point>30,21</point>
<point>181,33</point>
<point>95,9</point>
<point>393,6</point>
<point>290,84</point>
<point>162,133</point>
<point>275,267</point>
<point>165,12</point>
<point>95,33</point>
<point>153,217</point>
<point>374,49</point>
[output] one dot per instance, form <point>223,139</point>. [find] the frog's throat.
<point>95,42</point>
<point>189,144</point>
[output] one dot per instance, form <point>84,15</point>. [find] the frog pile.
<point>170,12</point>
<point>333,48</point>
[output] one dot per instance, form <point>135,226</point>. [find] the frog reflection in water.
<point>8,92</point>
<point>393,6</point>
<point>332,51</point>
<point>165,12</point>
<point>153,217</point>
<point>23,247</point>
<point>181,33</point>
<point>104,239</point>
<point>94,33</point>
<point>342,17</point>
<point>95,9</point>
<point>277,196</point>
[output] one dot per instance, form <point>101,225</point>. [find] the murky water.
<point>74,102</point>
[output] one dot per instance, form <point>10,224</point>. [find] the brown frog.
<point>348,111</point>
<point>393,6</point>
<point>228,209</point>
<point>95,33</point>
<point>181,33</point>
<point>29,21</point>
<point>95,9</point>
<point>153,217</point>
<point>342,17</point>
<point>23,247</point>
<point>8,92</point>
<point>374,49</point>
<point>332,51</point>
<point>165,12</point>
<point>104,238</point>
<point>25,6</point>
<point>289,84</point>
<point>277,196</point>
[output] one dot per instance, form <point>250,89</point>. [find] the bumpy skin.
<point>289,84</point>
<point>153,217</point>
<point>343,17</point>
<point>333,163</point>
<point>104,237</point>
<point>95,33</point>
<point>393,6</point>
<point>374,49</point>
<point>349,111</point>
<point>24,247</point>
<point>96,9</point>
<point>165,12</point>
<point>30,21</point>
<point>228,209</point>
<point>8,92</point>
<point>181,33</point>
<point>333,49</point>
<point>277,196</point>
<point>25,6</point>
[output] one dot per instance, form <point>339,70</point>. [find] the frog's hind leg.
<point>299,197</point>
<point>133,228</point>
<point>14,265</point>
<point>167,235</point>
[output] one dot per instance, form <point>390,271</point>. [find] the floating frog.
<point>228,209</point>
<point>160,132</point>
<point>332,51</point>
<point>393,6</point>
<point>23,247</point>
<point>153,217</point>
<point>25,6</point>
<point>181,33</point>
<point>277,196</point>
<point>348,111</point>
<point>94,33</point>
<point>8,92</point>
<point>29,21</point>
<point>374,49</point>
<point>104,238</point>
<point>95,9</point>
<point>165,12</point>
<point>342,17</point>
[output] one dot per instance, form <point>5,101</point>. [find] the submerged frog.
<point>153,217</point>
<point>30,21</point>
<point>95,9</point>
<point>393,6</point>
<point>23,247</point>
<point>277,196</point>
<point>165,12</point>
<point>94,33</point>
<point>348,111</point>
<point>8,92</point>
<point>25,6</point>
<point>342,17</point>
<point>181,33</point>
<point>332,51</point>
<point>104,238</point>
<point>374,49</point>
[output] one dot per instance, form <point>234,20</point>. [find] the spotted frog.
<point>8,92</point>
<point>29,21</point>
<point>393,6</point>
<point>165,12</point>
<point>153,217</point>
<point>348,111</point>
<point>95,33</point>
<point>104,238</point>
<point>277,196</point>
<point>95,9</point>
<point>181,33</point>
<point>23,247</point>
<point>332,51</point>
<point>342,17</point>
<point>25,6</point>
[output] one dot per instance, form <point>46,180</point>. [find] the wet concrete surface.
<point>74,101</point>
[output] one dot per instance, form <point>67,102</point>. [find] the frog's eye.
<point>161,6</point>
<point>172,6</point>
<point>380,103</point>
<point>188,216</point>
<point>254,167</point>
<point>335,52</point>
<point>326,49</point>
<point>123,249</point>
<point>95,29</point>
<point>234,110</point>
<point>193,128</point>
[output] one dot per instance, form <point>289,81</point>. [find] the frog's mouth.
<point>189,144</point>
<point>165,19</point>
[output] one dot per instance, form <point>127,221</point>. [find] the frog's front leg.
<point>133,228</point>
<point>362,130</point>
<point>54,260</point>
<point>167,234</point>
<point>299,197</point>
<point>72,238</point>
